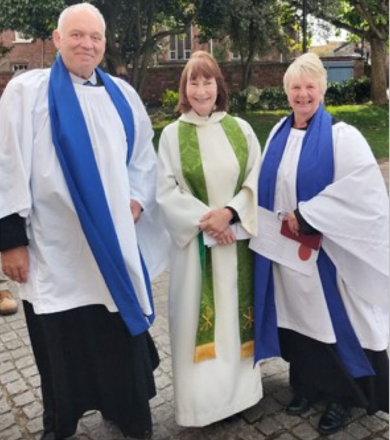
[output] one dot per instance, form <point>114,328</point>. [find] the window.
<point>21,38</point>
<point>19,67</point>
<point>180,46</point>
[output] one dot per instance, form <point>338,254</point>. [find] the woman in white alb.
<point>332,325</point>
<point>208,162</point>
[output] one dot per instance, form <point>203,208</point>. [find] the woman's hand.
<point>292,223</point>
<point>216,222</point>
<point>15,264</point>
<point>227,237</point>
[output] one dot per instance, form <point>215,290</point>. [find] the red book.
<point>311,241</point>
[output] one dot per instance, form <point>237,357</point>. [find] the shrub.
<point>272,98</point>
<point>350,91</point>
<point>237,102</point>
<point>169,99</point>
<point>334,94</point>
<point>362,89</point>
<point>253,99</point>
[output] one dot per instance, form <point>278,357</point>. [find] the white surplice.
<point>63,272</point>
<point>212,390</point>
<point>353,215</point>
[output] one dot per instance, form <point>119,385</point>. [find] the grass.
<point>372,121</point>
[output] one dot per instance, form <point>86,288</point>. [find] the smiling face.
<point>81,42</point>
<point>202,94</point>
<point>304,95</point>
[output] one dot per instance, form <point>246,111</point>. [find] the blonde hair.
<point>307,64</point>
<point>80,7</point>
<point>201,63</point>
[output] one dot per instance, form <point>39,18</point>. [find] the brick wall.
<point>4,78</point>
<point>264,74</point>
<point>36,54</point>
<point>167,77</point>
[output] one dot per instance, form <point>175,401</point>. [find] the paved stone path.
<point>21,407</point>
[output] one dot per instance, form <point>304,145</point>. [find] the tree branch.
<point>331,19</point>
<point>363,7</point>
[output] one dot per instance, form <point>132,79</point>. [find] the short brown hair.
<point>202,63</point>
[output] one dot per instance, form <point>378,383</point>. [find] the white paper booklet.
<point>273,245</point>
<point>239,231</point>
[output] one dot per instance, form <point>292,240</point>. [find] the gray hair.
<point>80,7</point>
<point>307,64</point>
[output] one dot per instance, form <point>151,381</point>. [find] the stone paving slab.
<point>21,406</point>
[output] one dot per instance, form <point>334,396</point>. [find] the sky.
<point>323,34</point>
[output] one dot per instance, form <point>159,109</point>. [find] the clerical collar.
<point>302,128</point>
<point>77,80</point>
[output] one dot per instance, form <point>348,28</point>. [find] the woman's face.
<point>202,94</point>
<point>304,95</point>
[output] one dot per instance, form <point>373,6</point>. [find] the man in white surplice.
<point>89,356</point>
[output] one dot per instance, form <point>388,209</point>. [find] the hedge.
<point>350,91</point>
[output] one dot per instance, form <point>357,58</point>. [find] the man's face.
<point>81,42</point>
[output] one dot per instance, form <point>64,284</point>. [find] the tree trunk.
<point>135,74</point>
<point>378,71</point>
<point>246,68</point>
<point>148,54</point>
<point>112,60</point>
<point>112,55</point>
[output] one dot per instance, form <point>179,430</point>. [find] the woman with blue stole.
<point>321,177</point>
<point>208,162</point>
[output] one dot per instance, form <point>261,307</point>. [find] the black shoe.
<point>145,435</point>
<point>333,418</point>
<point>299,405</point>
<point>231,419</point>
<point>49,436</point>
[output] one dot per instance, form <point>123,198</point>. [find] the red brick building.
<point>26,54</point>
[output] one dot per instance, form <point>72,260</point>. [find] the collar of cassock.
<point>315,172</point>
<point>92,80</point>
<point>74,149</point>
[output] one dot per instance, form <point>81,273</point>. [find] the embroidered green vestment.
<point>193,173</point>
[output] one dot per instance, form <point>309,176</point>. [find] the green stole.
<point>192,168</point>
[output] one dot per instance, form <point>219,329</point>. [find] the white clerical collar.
<point>77,80</point>
<point>193,118</point>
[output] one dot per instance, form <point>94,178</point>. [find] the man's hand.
<point>15,264</point>
<point>136,210</point>
<point>216,222</point>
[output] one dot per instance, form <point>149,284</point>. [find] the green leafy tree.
<point>368,19</point>
<point>253,28</point>
<point>36,19</point>
<point>135,28</point>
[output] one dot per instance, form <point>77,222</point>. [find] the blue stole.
<point>74,150</point>
<point>315,172</point>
